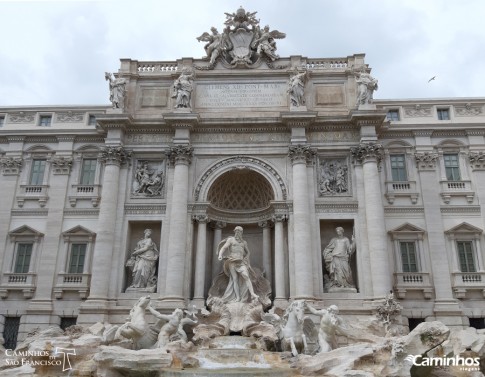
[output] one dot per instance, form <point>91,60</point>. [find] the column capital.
<point>426,160</point>
<point>180,154</point>
<point>367,152</point>
<point>114,155</point>
<point>201,219</point>
<point>218,224</point>
<point>477,160</point>
<point>264,224</point>
<point>11,165</point>
<point>61,164</point>
<point>301,154</point>
<point>279,218</point>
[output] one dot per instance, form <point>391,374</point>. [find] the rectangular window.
<point>465,256</point>
<point>67,322</point>
<point>45,120</point>
<point>88,171</point>
<point>92,120</point>
<point>11,332</point>
<point>398,167</point>
<point>408,257</point>
<point>393,115</point>
<point>478,323</point>
<point>22,260</point>
<point>452,167</point>
<point>76,260</point>
<point>443,114</point>
<point>37,172</point>
<point>2,120</point>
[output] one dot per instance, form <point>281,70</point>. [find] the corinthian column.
<point>370,155</point>
<point>300,155</point>
<point>180,157</point>
<point>200,258</point>
<point>266,225</point>
<point>112,157</point>
<point>216,263</point>
<point>281,272</point>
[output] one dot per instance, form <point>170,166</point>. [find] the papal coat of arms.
<point>242,42</point>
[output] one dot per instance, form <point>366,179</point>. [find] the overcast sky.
<point>56,52</point>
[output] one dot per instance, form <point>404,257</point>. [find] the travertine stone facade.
<point>408,186</point>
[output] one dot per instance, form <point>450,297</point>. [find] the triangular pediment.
<point>25,230</point>
<point>407,228</point>
<point>78,230</point>
<point>464,228</point>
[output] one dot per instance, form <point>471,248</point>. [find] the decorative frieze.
<point>11,165</point>
<point>81,212</point>
<point>301,154</point>
<point>367,151</point>
<point>417,111</point>
<point>426,160</point>
<point>351,207</point>
<point>468,110</point>
<point>61,164</point>
<point>148,138</point>
<point>69,117</point>
<point>148,209</point>
<point>180,154</point>
<point>477,160</point>
<point>21,117</point>
<point>116,155</point>
<point>333,177</point>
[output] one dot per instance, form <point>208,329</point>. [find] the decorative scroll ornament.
<point>301,153</point>
<point>477,160</point>
<point>70,117</point>
<point>61,164</point>
<point>468,110</point>
<point>11,165</point>
<point>417,111</point>
<point>115,155</point>
<point>180,154</point>
<point>21,117</point>
<point>426,160</point>
<point>367,151</point>
<point>242,43</point>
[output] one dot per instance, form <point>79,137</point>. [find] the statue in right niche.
<point>336,256</point>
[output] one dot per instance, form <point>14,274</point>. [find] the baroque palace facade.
<point>287,148</point>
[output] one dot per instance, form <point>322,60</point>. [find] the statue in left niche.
<point>117,90</point>
<point>182,88</point>
<point>147,182</point>
<point>143,263</point>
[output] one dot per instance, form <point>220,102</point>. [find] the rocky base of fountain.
<point>239,356</point>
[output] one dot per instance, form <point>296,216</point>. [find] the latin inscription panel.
<point>236,95</point>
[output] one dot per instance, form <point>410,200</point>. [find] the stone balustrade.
<point>24,282</point>
<point>457,188</point>
<point>412,281</point>
<point>78,283</point>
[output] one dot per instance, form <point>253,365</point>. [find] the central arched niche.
<point>240,190</point>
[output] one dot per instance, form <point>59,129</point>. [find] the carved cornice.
<point>30,212</point>
<point>81,212</point>
<point>301,154</point>
<point>367,152</point>
<point>114,155</point>
<point>15,139</point>
<point>477,160</point>
<point>90,139</point>
<point>149,209</point>
<point>461,209</point>
<point>69,117</point>
<point>66,138</point>
<point>475,132</point>
<point>401,210</point>
<point>41,139</point>
<point>11,165</point>
<point>61,164</point>
<point>426,160</point>
<point>180,154</point>
<point>425,133</point>
<point>21,117</point>
<point>337,207</point>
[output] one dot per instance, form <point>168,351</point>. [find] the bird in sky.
<point>432,78</point>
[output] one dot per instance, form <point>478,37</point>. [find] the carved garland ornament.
<point>115,155</point>
<point>11,165</point>
<point>477,160</point>
<point>367,151</point>
<point>245,161</point>
<point>61,164</point>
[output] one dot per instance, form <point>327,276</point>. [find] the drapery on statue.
<point>148,183</point>
<point>330,324</point>
<point>117,90</point>
<point>235,253</point>
<point>366,86</point>
<point>337,257</point>
<point>143,262</point>
<point>182,88</point>
<point>296,88</point>
<point>265,42</point>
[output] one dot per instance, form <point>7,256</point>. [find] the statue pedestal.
<point>114,111</point>
<point>368,106</point>
<point>342,289</point>
<point>141,290</point>
<point>298,108</point>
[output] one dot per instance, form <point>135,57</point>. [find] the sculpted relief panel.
<point>333,177</point>
<point>149,179</point>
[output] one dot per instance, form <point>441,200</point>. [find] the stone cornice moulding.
<point>298,119</point>
<point>66,138</point>
<point>182,120</point>
<point>421,133</point>
<point>148,209</point>
<point>15,138</point>
<point>461,209</point>
<point>114,121</point>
